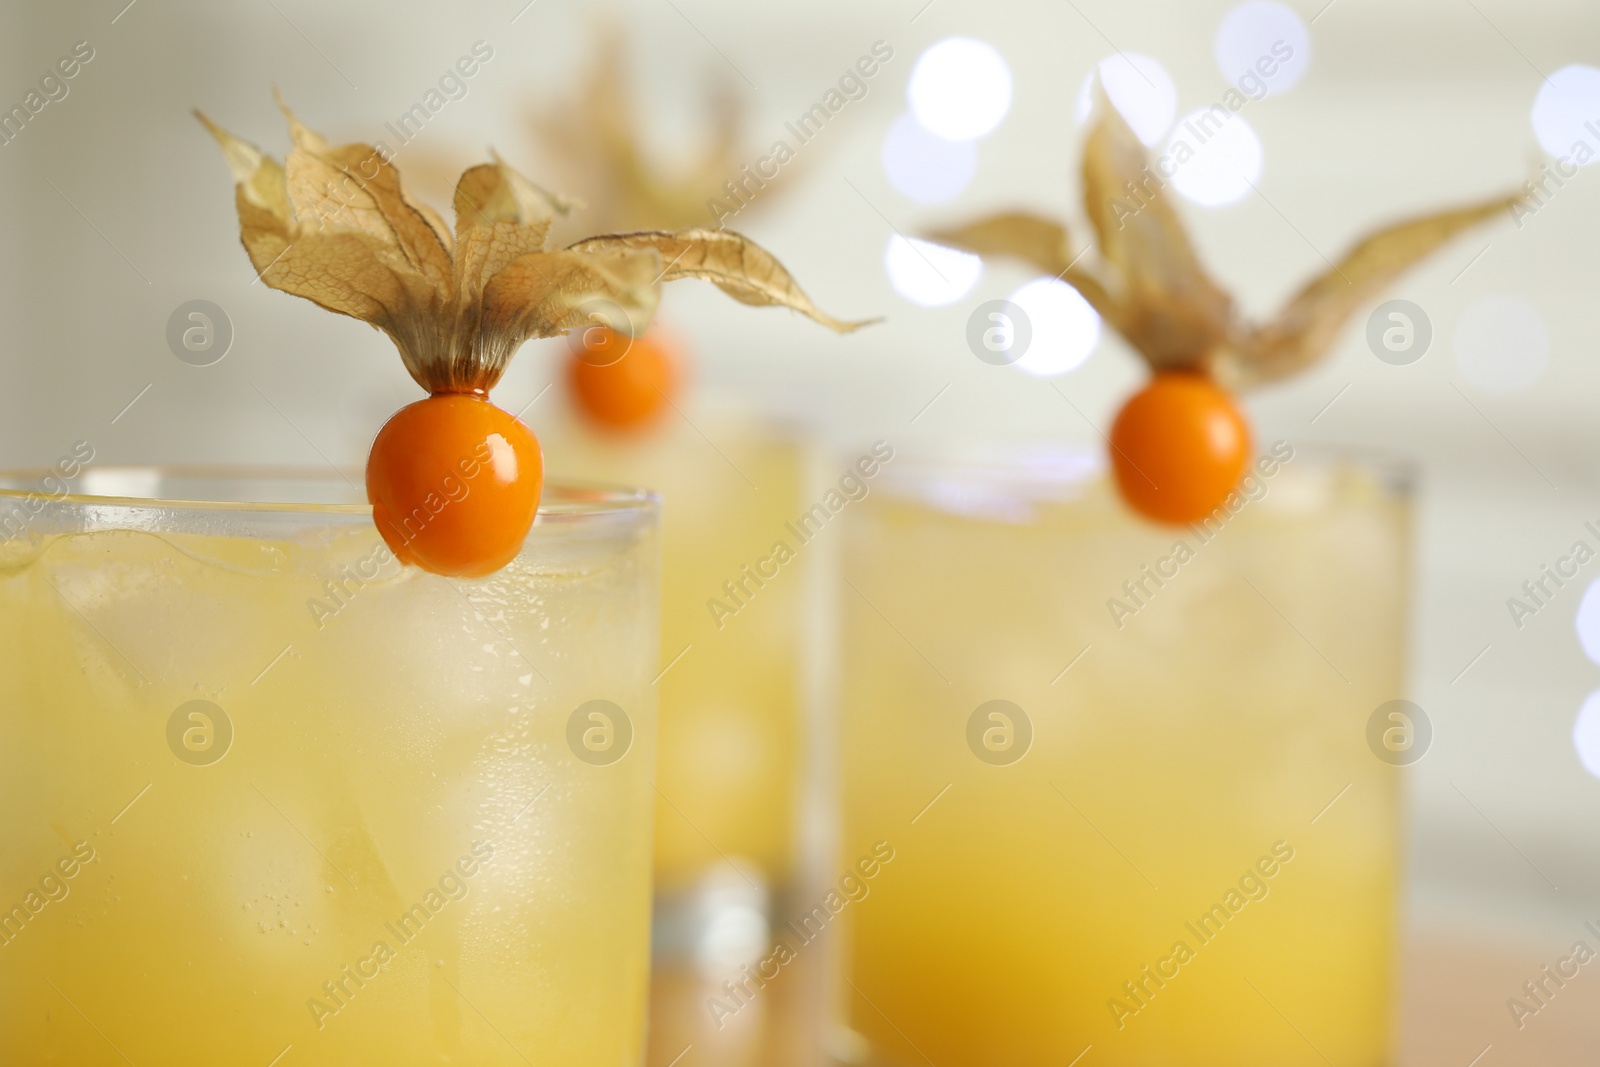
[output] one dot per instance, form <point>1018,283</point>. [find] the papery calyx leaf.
<point>731,261</point>
<point>1309,324</point>
<point>335,225</point>
<point>599,137</point>
<point>1037,241</point>
<point>1149,283</point>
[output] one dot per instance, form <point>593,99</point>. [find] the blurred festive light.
<point>1501,344</point>
<point>1586,734</point>
<point>1216,157</point>
<point>1588,621</point>
<point>960,88</point>
<point>1262,48</point>
<point>928,274</point>
<point>1139,88</point>
<point>925,167</point>
<point>1566,114</point>
<point>1065,328</point>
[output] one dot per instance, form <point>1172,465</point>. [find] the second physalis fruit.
<point>623,383</point>
<point>1180,445</point>
<point>453,480</point>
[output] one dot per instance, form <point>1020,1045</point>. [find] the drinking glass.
<point>1121,791</point>
<point>732,768</point>
<point>273,798</point>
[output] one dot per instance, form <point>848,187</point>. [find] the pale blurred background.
<point>119,209</point>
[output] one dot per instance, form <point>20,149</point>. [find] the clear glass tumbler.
<point>1112,790</point>
<point>273,798</point>
<point>733,736</point>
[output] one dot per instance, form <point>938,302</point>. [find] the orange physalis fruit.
<point>620,382</point>
<point>454,483</point>
<point>333,224</point>
<point>1178,447</point>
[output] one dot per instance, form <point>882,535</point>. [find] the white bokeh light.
<point>925,167</point>
<point>1586,734</point>
<point>1501,345</point>
<point>1588,621</point>
<point>1568,98</point>
<point>928,274</point>
<point>1262,48</point>
<point>1139,88</point>
<point>1065,328</point>
<point>1216,157</point>
<point>960,88</point>
<point>734,934</point>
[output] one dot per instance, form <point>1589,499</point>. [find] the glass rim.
<point>1075,465</point>
<point>560,498</point>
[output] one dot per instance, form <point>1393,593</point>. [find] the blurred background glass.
<point>121,212</point>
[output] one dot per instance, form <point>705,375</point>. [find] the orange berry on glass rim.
<point>454,483</point>
<point>1179,447</point>
<point>622,382</point>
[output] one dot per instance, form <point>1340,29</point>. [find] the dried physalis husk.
<point>335,225</point>
<point>597,138</point>
<point>1150,286</point>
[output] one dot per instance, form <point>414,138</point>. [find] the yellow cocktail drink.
<point>733,738</point>
<point>731,730</point>
<point>272,798</point>
<point>1125,770</point>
